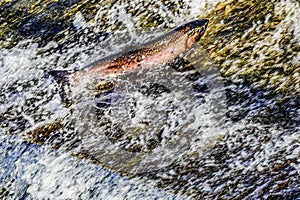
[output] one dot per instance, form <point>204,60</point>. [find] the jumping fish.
<point>162,50</point>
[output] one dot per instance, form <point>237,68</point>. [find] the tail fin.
<point>61,76</point>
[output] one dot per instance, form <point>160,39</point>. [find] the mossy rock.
<point>41,133</point>
<point>45,21</point>
<point>254,41</point>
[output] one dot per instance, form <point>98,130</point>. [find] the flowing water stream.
<point>184,131</point>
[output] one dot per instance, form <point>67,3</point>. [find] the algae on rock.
<point>256,42</point>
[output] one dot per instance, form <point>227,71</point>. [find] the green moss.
<point>104,86</point>
<point>40,134</point>
<point>42,21</point>
<point>237,40</point>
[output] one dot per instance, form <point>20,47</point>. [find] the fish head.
<point>193,31</point>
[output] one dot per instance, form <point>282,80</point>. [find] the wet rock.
<point>255,45</point>
<point>255,41</point>
<point>154,89</point>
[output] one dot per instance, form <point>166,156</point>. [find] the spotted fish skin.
<point>162,50</point>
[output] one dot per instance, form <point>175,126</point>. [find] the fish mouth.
<point>196,31</point>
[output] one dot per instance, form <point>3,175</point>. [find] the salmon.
<point>160,51</point>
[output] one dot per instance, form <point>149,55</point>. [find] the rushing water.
<point>159,133</point>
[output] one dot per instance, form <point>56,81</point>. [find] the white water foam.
<point>56,175</point>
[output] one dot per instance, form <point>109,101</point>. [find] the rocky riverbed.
<point>223,123</point>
